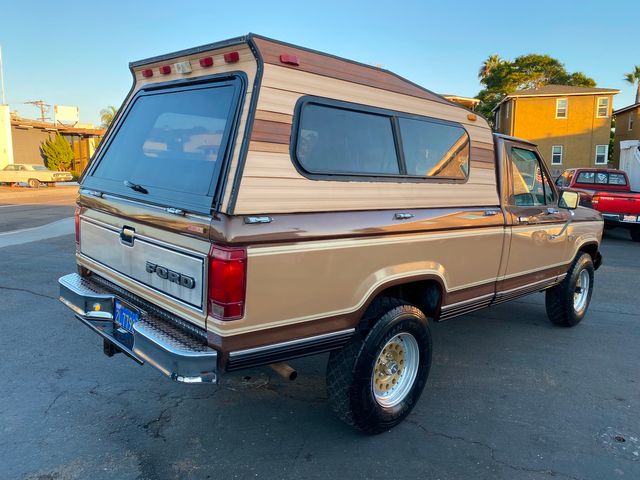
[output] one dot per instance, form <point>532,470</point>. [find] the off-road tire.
<point>559,300</point>
<point>635,234</point>
<point>33,183</point>
<point>350,370</point>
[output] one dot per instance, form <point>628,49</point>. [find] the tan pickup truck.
<point>256,201</point>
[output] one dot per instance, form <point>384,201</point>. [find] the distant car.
<point>33,175</point>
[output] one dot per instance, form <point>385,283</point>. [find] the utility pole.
<point>44,108</point>
<point>1,78</point>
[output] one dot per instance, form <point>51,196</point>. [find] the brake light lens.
<point>206,62</point>
<point>231,57</point>
<point>76,218</point>
<point>289,59</point>
<point>227,282</point>
<point>147,72</point>
<point>595,199</point>
<point>165,69</point>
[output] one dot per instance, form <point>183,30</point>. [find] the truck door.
<point>536,255</point>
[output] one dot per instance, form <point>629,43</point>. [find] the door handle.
<point>403,216</point>
<point>490,212</point>
<point>552,211</point>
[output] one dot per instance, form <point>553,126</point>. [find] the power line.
<point>44,108</point>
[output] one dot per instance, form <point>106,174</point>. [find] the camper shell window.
<point>342,141</point>
<point>172,143</point>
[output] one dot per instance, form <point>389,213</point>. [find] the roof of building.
<point>26,123</point>
<point>557,90</point>
<point>626,109</point>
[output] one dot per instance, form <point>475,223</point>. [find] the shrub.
<point>58,153</point>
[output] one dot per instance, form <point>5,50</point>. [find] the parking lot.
<point>509,396</point>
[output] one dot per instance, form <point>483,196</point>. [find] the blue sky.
<point>76,53</point>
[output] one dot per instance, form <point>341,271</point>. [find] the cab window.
<point>531,187</point>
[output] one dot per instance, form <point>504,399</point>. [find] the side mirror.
<point>569,200</point>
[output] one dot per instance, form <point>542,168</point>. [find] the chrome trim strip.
<point>464,302</point>
<point>289,343</point>
<point>532,285</point>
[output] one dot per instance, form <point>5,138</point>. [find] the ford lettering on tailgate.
<point>175,277</point>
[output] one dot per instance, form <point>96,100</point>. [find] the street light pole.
<point>1,78</point>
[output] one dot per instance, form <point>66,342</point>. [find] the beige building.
<point>570,125</point>
<point>627,127</point>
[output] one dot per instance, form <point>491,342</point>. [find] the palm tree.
<point>107,115</point>
<point>489,65</point>
<point>634,78</point>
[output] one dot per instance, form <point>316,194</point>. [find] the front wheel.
<point>567,302</point>
<point>374,382</point>
<point>635,234</point>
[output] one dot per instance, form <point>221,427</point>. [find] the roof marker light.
<point>231,57</point>
<point>206,62</point>
<point>147,72</point>
<point>289,59</point>
<point>165,69</point>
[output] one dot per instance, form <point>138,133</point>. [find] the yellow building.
<point>570,125</point>
<point>627,127</point>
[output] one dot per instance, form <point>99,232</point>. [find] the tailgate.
<point>623,203</point>
<point>174,272</point>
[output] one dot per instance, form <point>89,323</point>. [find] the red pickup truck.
<point>607,191</point>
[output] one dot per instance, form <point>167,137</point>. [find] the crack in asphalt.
<point>492,452</point>
<point>54,401</point>
<point>28,291</point>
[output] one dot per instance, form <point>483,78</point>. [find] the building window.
<point>630,125</point>
<point>556,155</point>
<point>507,109</point>
<point>561,107</point>
<point>603,107</point>
<point>601,154</point>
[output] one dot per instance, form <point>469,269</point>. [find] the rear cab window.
<point>172,142</point>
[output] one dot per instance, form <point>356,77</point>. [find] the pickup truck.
<point>255,202</point>
<point>609,192</point>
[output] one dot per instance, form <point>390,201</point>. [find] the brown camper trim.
<point>306,227</point>
<point>313,61</point>
<point>393,116</point>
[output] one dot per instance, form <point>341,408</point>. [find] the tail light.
<point>595,199</point>
<point>77,225</point>
<point>227,282</point>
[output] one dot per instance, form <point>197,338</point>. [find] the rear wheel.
<point>635,234</point>
<point>374,382</point>
<point>33,183</point>
<point>567,303</point>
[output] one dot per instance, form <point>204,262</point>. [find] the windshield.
<point>39,168</point>
<point>170,146</point>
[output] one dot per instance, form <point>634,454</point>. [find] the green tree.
<point>58,153</point>
<point>634,79</point>
<point>489,65</point>
<point>524,72</point>
<point>107,115</point>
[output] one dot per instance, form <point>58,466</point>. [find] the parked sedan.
<point>33,175</point>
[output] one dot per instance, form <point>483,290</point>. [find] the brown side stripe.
<point>272,132</point>
<point>343,70</point>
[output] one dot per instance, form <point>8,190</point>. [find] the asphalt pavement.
<point>510,396</point>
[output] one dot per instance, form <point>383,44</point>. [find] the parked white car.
<point>33,175</point>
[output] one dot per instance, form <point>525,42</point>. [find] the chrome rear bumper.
<point>154,340</point>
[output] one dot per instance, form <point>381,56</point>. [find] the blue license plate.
<point>125,316</point>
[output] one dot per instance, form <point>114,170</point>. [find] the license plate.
<point>125,315</point>
<point>630,218</point>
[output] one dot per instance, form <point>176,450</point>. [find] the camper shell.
<point>274,231</point>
